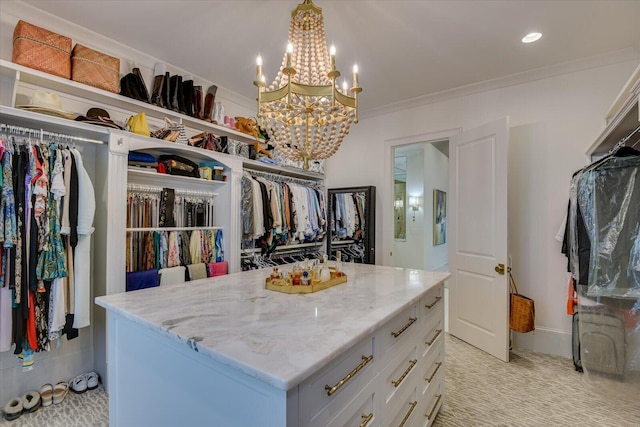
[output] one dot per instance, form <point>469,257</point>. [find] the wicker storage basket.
<point>41,49</point>
<point>95,68</point>
<point>522,315</point>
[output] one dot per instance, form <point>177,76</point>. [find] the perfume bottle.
<point>325,274</point>
<point>306,279</point>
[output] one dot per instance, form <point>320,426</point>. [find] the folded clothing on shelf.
<point>142,280</point>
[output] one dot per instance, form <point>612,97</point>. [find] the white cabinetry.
<point>360,355</point>
<point>394,377</point>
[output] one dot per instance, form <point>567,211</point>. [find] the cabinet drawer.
<point>406,413</point>
<point>433,337</point>
<point>399,375</point>
<point>333,387</point>
<point>433,370</point>
<point>432,302</point>
<point>397,331</point>
<point>361,412</point>
<point>434,400</point>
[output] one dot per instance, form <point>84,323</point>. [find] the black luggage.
<point>575,338</point>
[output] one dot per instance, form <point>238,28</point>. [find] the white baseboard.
<point>542,340</point>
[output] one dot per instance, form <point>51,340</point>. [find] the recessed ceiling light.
<point>531,37</point>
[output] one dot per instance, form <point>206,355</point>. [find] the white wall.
<point>553,121</point>
<point>436,176</point>
<point>410,252</point>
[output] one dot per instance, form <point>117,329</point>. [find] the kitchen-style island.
<point>227,352</point>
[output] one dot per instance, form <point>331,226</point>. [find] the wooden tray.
<point>306,289</point>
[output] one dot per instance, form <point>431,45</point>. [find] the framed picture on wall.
<point>439,217</point>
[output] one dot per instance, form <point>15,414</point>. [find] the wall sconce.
<point>414,202</point>
<point>398,204</point>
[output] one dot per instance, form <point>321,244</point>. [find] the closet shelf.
<point>151,174</point>
<point>623,117</point>
<point>88,133</point>
<point>138,229</point>
<point>58,84</point>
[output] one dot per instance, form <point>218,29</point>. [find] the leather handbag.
<point>41,49</point>
<point>522,313</point>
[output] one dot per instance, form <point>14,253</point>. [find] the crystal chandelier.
<point>304,111</point>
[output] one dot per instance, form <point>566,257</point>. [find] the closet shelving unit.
<point>622,119</point>
<point>292,175</point>
<point>112,169</point>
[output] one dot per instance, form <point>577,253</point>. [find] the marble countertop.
<point>278,338</point>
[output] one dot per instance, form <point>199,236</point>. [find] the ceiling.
<point>404,49</point>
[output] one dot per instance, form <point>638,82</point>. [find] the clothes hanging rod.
<point>21,131</point>
<point>282,178</point>
<point>140,229</point>
<point>628,137</point>
<point>135,188</point>
<point>294,247</point>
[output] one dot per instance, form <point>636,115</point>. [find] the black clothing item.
<point>584,247</point>
<point>68,329</point>
<point>73,203</point>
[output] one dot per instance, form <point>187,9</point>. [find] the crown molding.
<point>609,58</point>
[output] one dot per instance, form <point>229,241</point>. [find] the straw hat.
<point>47,103</point>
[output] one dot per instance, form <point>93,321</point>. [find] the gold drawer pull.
<point>404,328</point>
<point>438,332</point>
<point>331,390</point>
<point>406,417</point>
<point>438,364</point>
<point>438,397</point>
<point>429,306</point>
<point>397,382</point>
<point>366,419</point>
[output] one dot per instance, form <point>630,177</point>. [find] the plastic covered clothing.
<point>609,199</point>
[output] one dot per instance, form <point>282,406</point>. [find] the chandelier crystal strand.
<point>304,110</point>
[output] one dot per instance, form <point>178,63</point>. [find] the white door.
<point>479,288</point>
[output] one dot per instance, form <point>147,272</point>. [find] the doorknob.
<point>499,269</point>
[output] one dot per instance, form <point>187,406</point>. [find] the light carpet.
<point>531,390</point>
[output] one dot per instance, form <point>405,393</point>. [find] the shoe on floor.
<point>92,379</point>
<point>46,395</point>
<point>78,384</point>
<point>13,409</point>
<point>60,392</point>
<point>31,401</point>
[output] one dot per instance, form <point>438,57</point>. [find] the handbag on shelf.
<point>522,314</point>
<point>138,124</point>
<point>176,165</point>
<point>173,132</point>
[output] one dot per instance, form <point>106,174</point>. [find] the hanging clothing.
<point>82,254</point>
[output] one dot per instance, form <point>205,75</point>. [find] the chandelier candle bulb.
<point>332,57</point>
<point>355,75</point>
<point>289,52</point>
<point>259,67</point>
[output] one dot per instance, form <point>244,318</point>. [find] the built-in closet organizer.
<point>108,168</point>
<point>352,224</point>
<point>72,356</point>
<point>295,202</point>
<point>603,223</point>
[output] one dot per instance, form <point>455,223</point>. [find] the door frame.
<point>387,208</point>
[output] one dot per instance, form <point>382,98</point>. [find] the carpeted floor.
<point>531,390</point>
